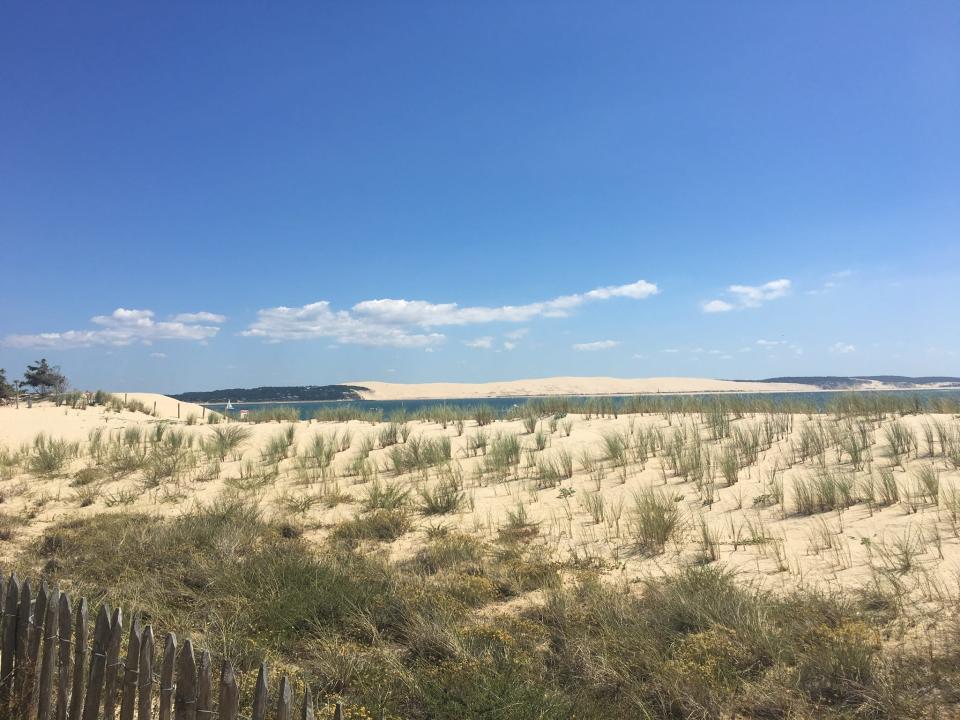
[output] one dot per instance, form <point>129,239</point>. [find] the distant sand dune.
<point>566,386</point>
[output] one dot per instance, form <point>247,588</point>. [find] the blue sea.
<point>818,399</point>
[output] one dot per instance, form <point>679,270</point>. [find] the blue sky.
<point>528,189</point>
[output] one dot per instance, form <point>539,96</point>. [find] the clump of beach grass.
<point>49,456</point>
<point>444,497</point>
<point>227,439</point>
<point>385,496</point>
<point>381,525</point>
<point>655,520</point>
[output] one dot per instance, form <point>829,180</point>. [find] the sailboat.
<point>229,405</point>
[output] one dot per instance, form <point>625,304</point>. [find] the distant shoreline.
<point>811,389</point>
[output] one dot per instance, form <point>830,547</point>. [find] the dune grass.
<point>445,497</point>
<point>49,456</point>
<point>404,640</point>
<point>423,609</point>
<point>227,439</point>
<point>656,520</point>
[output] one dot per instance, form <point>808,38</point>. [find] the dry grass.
<point>462,566</point>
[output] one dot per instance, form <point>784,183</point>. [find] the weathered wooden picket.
<point>51,669</point>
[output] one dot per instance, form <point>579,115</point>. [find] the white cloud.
<point>754,295</point>
<point>771,343</point>
<point>317,320</point>
<point>841,348</point>
<point>121,327</point>
<point>597,345</point>
<point>639,356</point>
<point>518,334</point>
<point>509,345</point>
<point>199,317</point>
<point>717,306</point>
<point>158,355</point>
<point>427,314</point>
<point>406,323</point>
<point>749,296</point>
<point>671,350</point>
<point>484,343</point>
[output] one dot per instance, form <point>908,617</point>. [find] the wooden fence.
<point>51,669</point>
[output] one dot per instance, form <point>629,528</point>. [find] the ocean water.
<point>503,405</point>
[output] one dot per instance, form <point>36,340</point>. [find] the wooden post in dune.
<point>178,411</point>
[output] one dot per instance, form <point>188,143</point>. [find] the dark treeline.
<point>286,393</point>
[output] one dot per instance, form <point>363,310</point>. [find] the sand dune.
<point>566,386</point>
<point>761,540</point>
<point>20,425</point>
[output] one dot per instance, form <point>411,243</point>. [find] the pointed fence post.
<point>50,629</point>
<point>64,664</point>
<point>145,681</point>
<point>285,700</point>
<point>185,702</point>
<point>81,635</point>
<point>8,652</point>
<point>35,639</point>
<point>204,688</point>
<point>131,672</point>
<point>113,666</point>
<point>260,695</point>
<point>166,676</point>
<point>98,665</point>
<point>228,704</point>
<point>306,713</point>
<point>21,670</point>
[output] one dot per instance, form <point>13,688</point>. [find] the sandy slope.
<point>20,425</point>
<point>770,544</point>
<point>566,386</point>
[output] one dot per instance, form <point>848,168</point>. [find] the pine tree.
<point>43,377</point>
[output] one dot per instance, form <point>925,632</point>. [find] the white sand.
<point>772,545</point>
<point>566,386</point>
<point>20,425</point>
